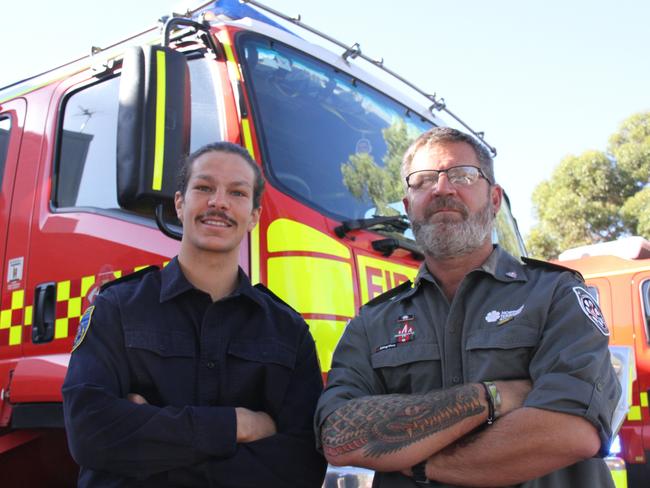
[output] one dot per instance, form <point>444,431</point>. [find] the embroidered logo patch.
<point>405,330</point>
<point>591,309</point>
<point>502,317</point>
<point>84,325</point>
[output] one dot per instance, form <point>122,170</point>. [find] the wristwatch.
<point>419,474</point>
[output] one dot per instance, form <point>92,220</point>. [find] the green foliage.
<point>596,197</point>
<point>636,212</point>
<point>382,185</point>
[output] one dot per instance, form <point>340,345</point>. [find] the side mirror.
<point>153,128</point>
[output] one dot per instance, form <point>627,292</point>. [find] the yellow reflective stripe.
<point>63,291</point>
<point>28,315</point>
<point>228,49</point>
<point>289,235</point>
<point>634,413</point>
<point>255,254</point>
<point>159,151</point>
<point>620,478</point>
<point>248,138</point>
<point>86,283</point>
<point>61,328</point>
<point>295,278</point>
<point>644,398</point>
<point>74,307</point>
<point>326,334</point>
<point>255,233</point>
<point>5,319</point>
<point>233,69</point>
<point>15,335</point>
<point>17,299</point>
<point>377,276</point>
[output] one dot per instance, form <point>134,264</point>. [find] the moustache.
<point>447,203</point>
<point>219,214</point>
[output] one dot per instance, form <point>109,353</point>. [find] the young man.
<point>189,376</point>
<point>503,376</point>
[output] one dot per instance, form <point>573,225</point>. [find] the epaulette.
<point>393,292</point>
<point>129,277</point>
<point>266,291</point>
<point>548,265</point>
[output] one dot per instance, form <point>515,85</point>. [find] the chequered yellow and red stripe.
<point>16,310</point>
<point>14,316</point>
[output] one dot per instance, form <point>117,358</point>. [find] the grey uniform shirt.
<point>508,320</point>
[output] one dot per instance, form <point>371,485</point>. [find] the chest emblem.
<point>502,317</point>
<point>591,309</point>
<point>405,331</point>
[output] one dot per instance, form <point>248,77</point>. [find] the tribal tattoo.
<point>384,424</point>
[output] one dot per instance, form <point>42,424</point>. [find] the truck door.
<point>12,248</point>
<point>12,316</point>
<point>80,236</point>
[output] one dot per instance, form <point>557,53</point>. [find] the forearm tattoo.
<point>387,423</point>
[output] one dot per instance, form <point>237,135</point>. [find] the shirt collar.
<point>174,283</point>
<point>499,264</point>
<point>503,266</point>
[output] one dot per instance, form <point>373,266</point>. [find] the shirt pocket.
<point>161,365</point>
<point>409,367</point>
<point>500,352</point>
<point>160,343</point>
<point>258,374</point>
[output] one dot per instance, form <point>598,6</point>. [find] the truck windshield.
<point>330,140</point>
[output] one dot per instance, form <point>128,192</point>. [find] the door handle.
<point>44,313</point>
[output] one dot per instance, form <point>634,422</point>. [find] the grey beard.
<point>444,240</point>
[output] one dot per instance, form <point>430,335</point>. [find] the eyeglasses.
<point>458,176</point>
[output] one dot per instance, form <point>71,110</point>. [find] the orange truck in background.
<point>618,276</point>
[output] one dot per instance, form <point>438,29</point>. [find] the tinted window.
<point>334,142</point>
<point>5,125</point>
<point>87,167</point>
<point>330,140</point>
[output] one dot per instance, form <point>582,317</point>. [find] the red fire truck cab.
<point>88,156</point>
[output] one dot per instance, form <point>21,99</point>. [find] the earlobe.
<point>255,218</point>
<point>178,205</point>
<point>497,197</point>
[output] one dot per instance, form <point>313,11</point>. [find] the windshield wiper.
<point>397,223</point>
<point>387,246</point>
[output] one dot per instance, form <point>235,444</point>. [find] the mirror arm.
<point>162,225</point>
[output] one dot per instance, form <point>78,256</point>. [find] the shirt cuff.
<point>215,430</point>
<point>567,394</point>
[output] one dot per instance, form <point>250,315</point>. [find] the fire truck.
<point>88,157</point>
<point>618,276</point>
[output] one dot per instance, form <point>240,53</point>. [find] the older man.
<point>487,371</point>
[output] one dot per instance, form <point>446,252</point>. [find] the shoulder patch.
<point>392,293</point>
<point>84,325</point>
<point>590,309</point>
<point>129,277</point>
<point>537,263</point>
<point>266,291</point>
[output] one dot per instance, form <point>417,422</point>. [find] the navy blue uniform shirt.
<point>194,361</point>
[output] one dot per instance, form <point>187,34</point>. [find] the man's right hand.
<point>513,394</point>
<point>252,426</point>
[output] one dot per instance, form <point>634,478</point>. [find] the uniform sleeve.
<point>571,368</point>
<point>108,432</point>
<point>351,376</point>
<point>288,458</point>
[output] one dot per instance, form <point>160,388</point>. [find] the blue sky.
<point>542,79</point>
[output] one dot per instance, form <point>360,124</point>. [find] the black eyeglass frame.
<point>438,171</point>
